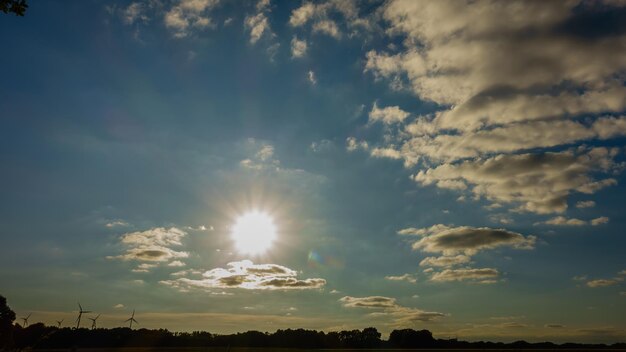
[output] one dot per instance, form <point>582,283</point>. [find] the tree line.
<point>40,336</point>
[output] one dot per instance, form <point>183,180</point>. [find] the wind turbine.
<point>93,321</point>
<point>59,322</point>
<point>80,314</point>
<point>26,320</point>
<point>132,319</point>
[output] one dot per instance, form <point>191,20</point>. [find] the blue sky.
<point>443,165</point>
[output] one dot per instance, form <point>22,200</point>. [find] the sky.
<point>456,166</point>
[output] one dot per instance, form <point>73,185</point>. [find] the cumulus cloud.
<point>538,183</point>
<point>468,240</point>
<point>387,306</point>
<point>152,245</point>
<point>406,277</point>
<point>247,275</point>
<point>298,47</point>
<point>510,80</point>
<point>187,15</point>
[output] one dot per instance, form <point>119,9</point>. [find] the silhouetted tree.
<point>409,338</point>
<point>17,7</point>
<point>7,316</point>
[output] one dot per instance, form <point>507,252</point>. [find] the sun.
<point>253,232</point>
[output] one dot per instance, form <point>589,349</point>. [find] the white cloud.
<point>311,77</point>
<point>538,183</point>
<point>152,246</point>
<point>187,15</point>
<point>327,27</point>
<point>298,47</point>
<point>603,282</point>
<point>258,24</point>
<point>176,263</point>
<point>387,115</point>
<point>585,204</point>
<point>134,12</point>
<point>118,306</point>
<point>406,277</point>
<point>563,221</point>
<point>247,275</point>
<point>117,223</point>
<point>600,221</point>
<point>353,144</point>
<point>504,95</point>
<point>324,15</point>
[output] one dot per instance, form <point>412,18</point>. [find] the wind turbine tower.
<point>93,321</point>
<point>26,320</point>
<point>80,314</point>
<point>132,319</point>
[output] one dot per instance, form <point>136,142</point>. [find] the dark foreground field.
<point>256,349</point>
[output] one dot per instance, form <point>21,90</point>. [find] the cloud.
<point>134,12</point>
<point>258,24</point>
<point>353,144</point>
<point>323,15</point>
<point>262,157</point>
<point>387,306</point>
<point>118,306</point>
<point>117,223</point>
<point>406,277</point>
<point>585,204</point>
<point>554,326</point>
<point>507,103</point>
<point>538,183</point>
<point>368,302</point>
<point>445,261</point>
<point>311,77</point>
<point>176,263</point>
<point>187,15</point>
<point>328,27</point>
<point>482,275</point>
<point>387,115</point>
<point>469,240</point>
<point>152,246</point>
<point>247,275</point>
<point>563,221</point>
<point>298,47</point>
<point>603,282</point>
<point>600,221</point>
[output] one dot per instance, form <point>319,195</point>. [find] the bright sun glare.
<point>254,232</point>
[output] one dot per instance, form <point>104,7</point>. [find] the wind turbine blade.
<point>29,315</point>
<point>80,307</point>
<point>135,321</point>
